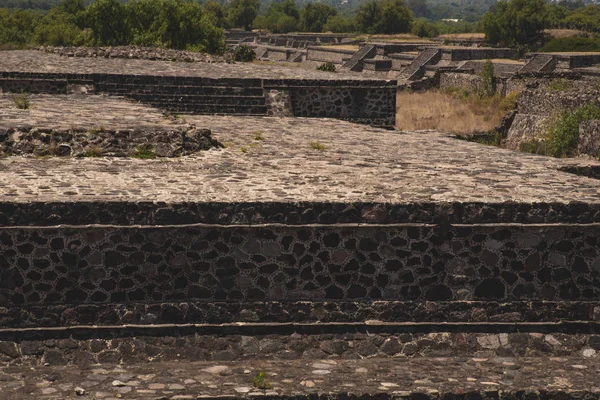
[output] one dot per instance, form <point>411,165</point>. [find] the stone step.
<point>201,108</point>
<point>192,100</point>
<point>180,89</point>
<point>425,378</point>
<point>90,344</point>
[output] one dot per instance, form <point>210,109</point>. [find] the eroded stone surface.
<point>357,164</point>
<point>36,61</point>
<point>424,378</point>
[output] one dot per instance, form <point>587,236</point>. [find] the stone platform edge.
<point>51,213</point>
<point>199,312</point>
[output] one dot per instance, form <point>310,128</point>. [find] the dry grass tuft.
<point>447,112</point>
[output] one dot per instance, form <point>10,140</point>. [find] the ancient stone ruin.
<point>290,252</point>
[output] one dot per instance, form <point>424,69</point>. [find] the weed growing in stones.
<point>327,67</point>
<point>21,100</point>
<point>92,152</point>
<point>317,146</point>
<point>244,149</point>
<point>144,152</point>
<point>534,146</point>
<point>260,382</point>
<point>258,135</point>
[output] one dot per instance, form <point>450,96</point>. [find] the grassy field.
<point>448,112</point>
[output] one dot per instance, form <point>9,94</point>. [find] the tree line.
<point>187,24</point>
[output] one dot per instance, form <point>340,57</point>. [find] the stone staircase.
<point>539,63</point>
<point>190,95</point>
<point>415,70</point>
<point>354,63</point>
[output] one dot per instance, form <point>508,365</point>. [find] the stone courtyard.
<point>340,259</point>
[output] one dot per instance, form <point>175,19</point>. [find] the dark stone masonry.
<point>414,263</point>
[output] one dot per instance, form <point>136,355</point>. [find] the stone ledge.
<point>184,312</point>
<point>382,379</point>
<point>115,212</point>
<point>105,143</point>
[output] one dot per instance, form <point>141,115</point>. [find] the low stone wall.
<point>537,106</point>
<point>100,142</point>
<point>466,81</point>
<point>370,102</point>
<point>144,53</point>
<point>474,53</point>
<point>320,53</point>
<point>589,138</point>
<point>139,348</point>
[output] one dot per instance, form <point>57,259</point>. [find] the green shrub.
<point>244,53</point>
<point>559,84</point>
<point>487,77</point>
<point>328,67</point>
<point>564,133</point>
<point>509,102</point>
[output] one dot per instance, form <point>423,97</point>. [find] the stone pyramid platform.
<point>339,260</point>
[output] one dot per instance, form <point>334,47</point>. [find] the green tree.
<point>216,13</point>
<point>423,28</point>
<point>58,28</point>
<point>515,23</point>
<point>586,18</point>
<point>396,17</point>
<point>108,22</point>
<point>175,24</point>
<point>72,7</point>
<point>243,12</point>
<point>368,16</point>
<point>314,16</point>
<point>384,16</point>
<point>338,24</point>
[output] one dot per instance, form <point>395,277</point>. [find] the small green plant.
<point>534,146</point>
<point>244,149</point>
<point>144,152</point>
<point>227,145</point>
<point>491,138</point>
<point>258,135</point>
<point>93,151</point>
<point>317,146</point>
<point>244,53</point>
<point>21,100</point>
<point>559,84</point>
<point>260,382</point>
<point>327,67</point>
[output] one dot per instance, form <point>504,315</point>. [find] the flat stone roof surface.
<point>423,378</point>
<point>38,61</point>
<point>358,163</point>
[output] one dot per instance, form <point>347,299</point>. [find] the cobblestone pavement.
<point>37,61</point>
<point>73,112</point>
<point>396,377</point>
<point>283,159</point>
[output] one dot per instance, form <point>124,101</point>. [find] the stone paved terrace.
<point>358,165</point>
<point>37,61</point>
<point>400,378</point>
